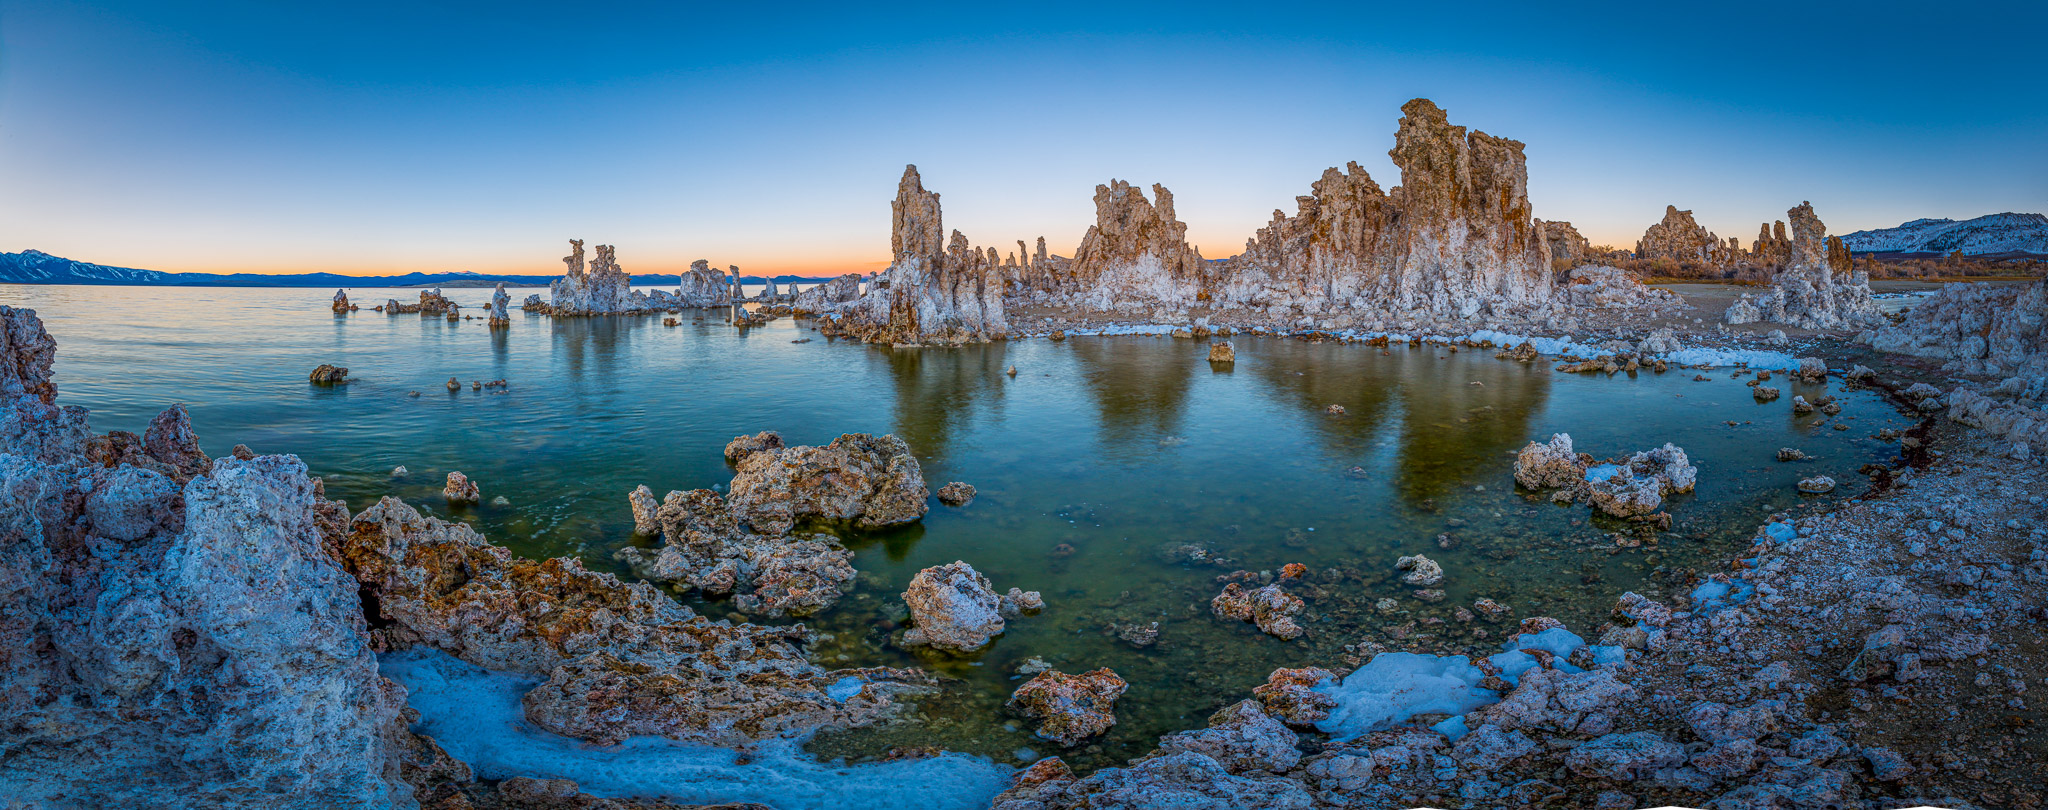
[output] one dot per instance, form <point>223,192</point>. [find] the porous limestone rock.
<point>703,287</point>
<point>341,303</point>
<point>602,288</point>
<point>829,296</point>
<point>170,440</point>
<point>1270,608</point>
<point>1421,570</point>
<point>1183,779</point>
<point>1679,238</point>
<point>933,293</point>
<point>644,509</point>
<point>1596,286</point>
<point>1222,352</point>
<point>1810,291</point>
<point>704,547</point>
<point>173,643</point>
<point>500,300</point>
<point>461,490</point>
<point>956,494</point>
<point>1455,240</point>
<point>1817,485</point>
<point>620,660</point>
<point>952,607</point>
<point>1636,486</point>
<point>1241,737</point>
<point>742,446</point>
<point>1567,247</point>
<point>1135,257</point>
<point>870,480</point>
<point>1985,329</point>
<point>1624,757</point>
<point>1550,465</point>
<point>327,374</point>
<point>1070,708</point>
<point>1290,695</point>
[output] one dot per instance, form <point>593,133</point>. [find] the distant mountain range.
<point>1994,233</point>
<point>37,267</point>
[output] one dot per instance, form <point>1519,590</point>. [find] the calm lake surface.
<point>1098,464</point>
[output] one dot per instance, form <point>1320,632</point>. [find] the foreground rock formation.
<point>869,480</point>
<point>620,660</point>
<point>1070,708</point>
<point>953,607</point>
<point>932,292</point>
<point>1816,289</point>
<point>175,633</point>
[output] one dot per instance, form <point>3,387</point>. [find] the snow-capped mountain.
<point>1995,233</point>
<point>37,267</point>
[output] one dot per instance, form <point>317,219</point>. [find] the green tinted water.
<point>1097,465</point>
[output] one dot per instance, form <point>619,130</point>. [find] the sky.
<point>371,137</point>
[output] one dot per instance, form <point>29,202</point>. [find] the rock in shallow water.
<point>870,480</point>
<point>1270,608</point>
<point>1070,708</point>
<point>953,607</point>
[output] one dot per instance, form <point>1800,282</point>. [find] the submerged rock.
<point>1270,608</point>
<point>1421,570</point>
<point>870,480</point>
<point>1070,708</point>
<point>1817,485</point>
<point>1222,352</point>
<point>956,494</point>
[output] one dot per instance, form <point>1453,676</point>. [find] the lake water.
<point>1094,463</point>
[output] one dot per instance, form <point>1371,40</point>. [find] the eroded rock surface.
<point>1070,708</point>
<point>870,480</point>
<point>1270,608</point>
<point>932,292</point>
<point>953,607</point>
<point>174,634</point>
<point>620,659</point>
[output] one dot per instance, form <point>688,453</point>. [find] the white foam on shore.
<point>1393,687</point>
<point>1753,358</point>
<point>475,715</point>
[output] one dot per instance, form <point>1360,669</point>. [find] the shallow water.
<point>1117,448</point>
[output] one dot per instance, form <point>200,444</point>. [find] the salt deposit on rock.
<point>500,300</point>
<point>116,576</point>
<point>1982,328</point>
<point>1270,608</point>
<point>829,296</point>
<point>1816,289</point>
<point>952,607</point>
<point>871,480</point>
<point>932,293</point>
<point>1070,708</point>
<point>1550,465</point>
<point>1454,240</point>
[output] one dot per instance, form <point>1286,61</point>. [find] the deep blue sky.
<point>376,137</point>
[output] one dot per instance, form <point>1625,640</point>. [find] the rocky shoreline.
<point>1807,674</point>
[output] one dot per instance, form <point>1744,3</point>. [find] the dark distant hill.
<point>37,267</point>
